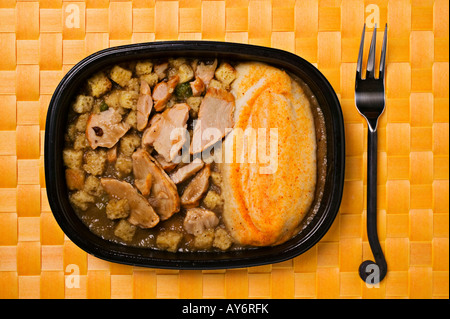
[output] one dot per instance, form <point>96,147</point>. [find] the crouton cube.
<point>74,178</point>
<point>129,143</point>
<point>133,85</point>
<point>226,74</point>
<point>176,62</point>
<point>172,101</point>
<point>131,119</point>
<point>72,158</point>
<point>185,73</point>
<point>212,200</point>
<point>216,84</point>
<point>194,104</point>
<point>221,239</point>
<point>216,178</point>
<point>124,165</point>
<point>95,162</point>
<point>71,133</point>
<point>83,104</point>
<point>172,72</point>
<point>143,67</point>
<point>99,84</point>
<point>113,99</point>
<point>128,99</point>
<point>80,142</point>
<point>116,209</point>
<point>81,199</point>
<point>205,239</point>
<point>169,240</point>
<point>151,78</point>
<point>124,230</point>
<point>81,122</point>
<point>120,75</point>
<point>93,186</point>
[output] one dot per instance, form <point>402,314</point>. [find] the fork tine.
<point>371,60</point>
<point>383,54</point>
<point>360,55</point>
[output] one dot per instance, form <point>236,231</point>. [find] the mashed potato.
<point>265,206</point>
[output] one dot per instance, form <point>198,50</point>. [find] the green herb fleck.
<point>103,106</point>
<point>183,91</point>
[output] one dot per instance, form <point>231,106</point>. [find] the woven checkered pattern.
<point>41,41</point>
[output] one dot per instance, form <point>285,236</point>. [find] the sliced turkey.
<point>197,86</point>
<point>215,119</point>
<point>105,129</point>
<point>167,166</point>
<point>196,188</point>
<point>167,131</point>
<point>144,106</point>
<point>205,71</point>
<point>142,213</point>
<point>198,219</point>
<point>163,91</point>
<point>111,154</point>
<point>153,182</point>
<point>160,69</point>
<point>186,171</point>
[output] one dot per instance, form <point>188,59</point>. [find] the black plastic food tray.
<point>79,233</point>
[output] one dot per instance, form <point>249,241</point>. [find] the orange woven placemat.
<point>41,41</point>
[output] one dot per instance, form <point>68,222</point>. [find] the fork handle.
<point>369,271</point>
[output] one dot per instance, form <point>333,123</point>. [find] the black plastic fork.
<point>370,102</point>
